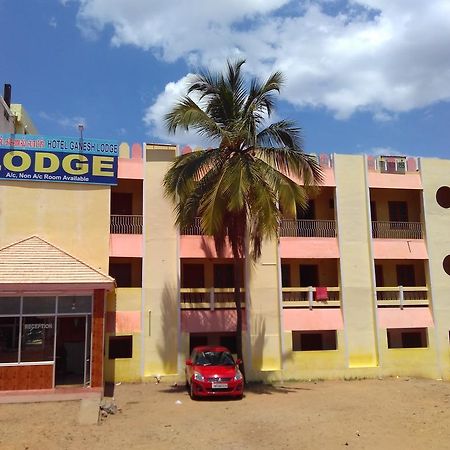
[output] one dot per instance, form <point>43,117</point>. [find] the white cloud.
<point>52,22</point>
<point>154,115</point>
<point>385,151</point>
<point>68,123</point>
<point>382,56</point>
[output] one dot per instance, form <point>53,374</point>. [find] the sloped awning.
<point>34,264</point>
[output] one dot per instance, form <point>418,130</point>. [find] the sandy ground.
<point>368,414</point>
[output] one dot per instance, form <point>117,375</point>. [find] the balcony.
<point>303,297</point>
<point>126,224</point>
<point>194,230</point>
<point>288,228</point>
<point>401,296</point>
<point>397,230</point>
<point>209,298</point>
<point>308,228</point>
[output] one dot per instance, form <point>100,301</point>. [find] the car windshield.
<point>214,359</point>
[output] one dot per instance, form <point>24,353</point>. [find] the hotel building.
<point>97,284</point>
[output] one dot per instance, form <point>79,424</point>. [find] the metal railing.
<point>209,298</point>
<point>308,228</point>
<point>402,296</point>
<point>304,297</point>
<point>126,224</point>
<point>397,230</point>
<point>195,229</point>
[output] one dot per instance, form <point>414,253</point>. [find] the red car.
<point>212,372</point>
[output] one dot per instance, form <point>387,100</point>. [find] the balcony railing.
<point>209,298</point>
<point>308,228</point>
<point>195,229</point>
<point>126,224</point>
<point>400,296</point>
<point>304,297</point>
<point>397,230</point>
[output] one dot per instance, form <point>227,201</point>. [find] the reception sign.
<point>58,159</point>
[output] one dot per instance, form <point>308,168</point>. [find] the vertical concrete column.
<point>355,261</point>
<point>264,326</point>
<point>160,318</point>
<point>98,330</point>
<point>435,174</point>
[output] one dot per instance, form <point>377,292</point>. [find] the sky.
<point>361,76</point>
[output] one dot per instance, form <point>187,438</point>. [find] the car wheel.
<point>191,392</point>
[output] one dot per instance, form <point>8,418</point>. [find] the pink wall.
<point>123,322</point>
<point>125,245</point>
<point>395,181</point>
<point>404,318</point>
<point>131,168</point>
<point>200,247</point>
<point>300,247</point>
<point>315,319</point>
<point>399,249</point>
<point>204,321</point>
<point>328,174</point>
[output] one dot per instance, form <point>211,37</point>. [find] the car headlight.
<point>238,375</point>
<point>198,376</point>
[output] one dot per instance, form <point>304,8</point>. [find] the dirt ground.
<point>368,414</point>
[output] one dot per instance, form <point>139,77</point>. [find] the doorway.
<point>72,350</point>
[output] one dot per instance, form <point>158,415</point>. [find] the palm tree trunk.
<point>237,301</point>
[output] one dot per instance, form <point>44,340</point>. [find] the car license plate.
<point>219,385</point>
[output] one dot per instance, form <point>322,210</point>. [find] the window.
<point>398,211</point>
<point>9,339</point>
<point>443,196</point>
<point>39,305</point>
<point>75,304</point>
<point>28,324</point>
<point>304,341</point>
<point>192,276</point>
<point>405,275</point>
<point>309,275</point>
<point>121,203</point>
<point>307,214</point>
<point>121,272</point>
<point>120,347</point>
<point>223,275</point>
<point>285,275</point>
<point>407,337</point>
<point>38,336</point>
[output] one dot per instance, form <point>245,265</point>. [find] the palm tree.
<point>240,185</point>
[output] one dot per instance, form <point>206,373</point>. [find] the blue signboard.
<point>58,159</point>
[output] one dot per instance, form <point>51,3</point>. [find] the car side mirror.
<point>189,362</point>
<point>238,361</point>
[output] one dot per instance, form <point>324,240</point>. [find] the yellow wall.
<point>323,364</point>
<point>160,269</point>
<point>264,307</point>
<point>419,362</point>
<point>435,173</point>
<point>356,260</point>
<point>124,369</point>
<point>73,217</point>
